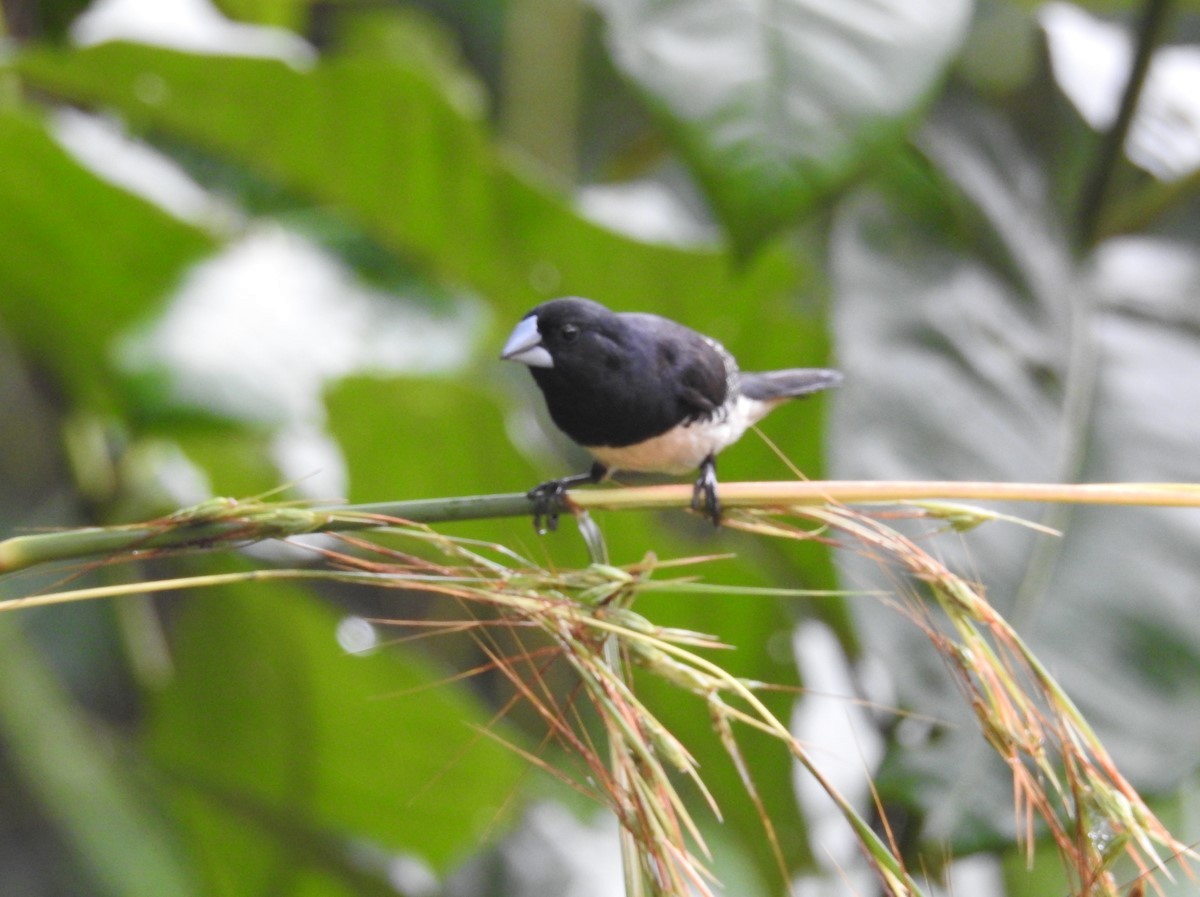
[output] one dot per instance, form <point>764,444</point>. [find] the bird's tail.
<point>789,384</point>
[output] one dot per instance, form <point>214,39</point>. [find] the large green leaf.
<point>1010,362</point>
<point>92,794</point>
<point>422,438</point>
<point>403,150</point>
<point>82,259</point>
<point>775,104</point>
<point>268,724</point>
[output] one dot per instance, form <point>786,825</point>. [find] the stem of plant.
<point>1150,26</point>
<point>237,523</point>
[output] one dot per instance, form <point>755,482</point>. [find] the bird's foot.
<point>704,494</point>
<point>548,503</point>
<point>549,498</point>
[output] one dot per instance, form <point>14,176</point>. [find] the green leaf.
<point>956,371</point>
<point>409,437</point>
<point>1006,360</point>
<point>270,722</point>
<point>82,259</point>
<point>397,144</point>
<point>1135,668</point>
<point>282,13</point>
<point>236,460</point>
<point>403,149</point>
<point>775,106</point>
<point>105,814</point>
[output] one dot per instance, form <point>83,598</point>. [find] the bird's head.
<point>564,335</point>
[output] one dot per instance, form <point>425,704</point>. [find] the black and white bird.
<point>644,393</point>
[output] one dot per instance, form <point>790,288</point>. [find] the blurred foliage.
<point>916,168</point>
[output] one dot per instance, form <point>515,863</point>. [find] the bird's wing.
<point>697,369</point>
<point>704,377</point>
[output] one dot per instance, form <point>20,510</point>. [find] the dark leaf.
<point>1010,362</point>
<point>775,106</point>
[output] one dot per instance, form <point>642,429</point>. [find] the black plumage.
<point>642,392</point>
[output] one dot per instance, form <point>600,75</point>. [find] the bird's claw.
<point>704,493</point>
<point>548,503</point>
<point>550,498</point>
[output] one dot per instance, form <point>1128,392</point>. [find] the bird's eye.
<point>569,333</point>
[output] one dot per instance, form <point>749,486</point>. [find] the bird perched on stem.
<point>643,393</point>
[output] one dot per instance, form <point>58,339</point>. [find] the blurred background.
<point>252,244</point>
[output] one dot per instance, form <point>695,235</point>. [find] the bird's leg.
<point>705,491</point>
<point>547,497</point>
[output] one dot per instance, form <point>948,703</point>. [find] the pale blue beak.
<point>525,345</point>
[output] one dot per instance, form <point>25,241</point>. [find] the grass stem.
<point>224,522</point>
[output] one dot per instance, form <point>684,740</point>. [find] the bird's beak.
<point>525,345</point>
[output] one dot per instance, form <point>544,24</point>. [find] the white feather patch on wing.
<point>681,449</point>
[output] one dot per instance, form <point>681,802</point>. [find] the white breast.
<point>681,449</point>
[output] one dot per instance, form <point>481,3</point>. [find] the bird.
<point>645,393</point>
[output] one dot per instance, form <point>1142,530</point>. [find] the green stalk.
<point>229,523</point>
<point>542,69</point>
<point>1154,17</point>
<point>789,494</point>
<point>226,522</point>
